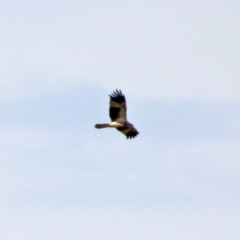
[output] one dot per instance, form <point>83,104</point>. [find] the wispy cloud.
<point>159,51</point>
<point>178,65</point>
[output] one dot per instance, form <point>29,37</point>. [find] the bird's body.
<point>118,115</point>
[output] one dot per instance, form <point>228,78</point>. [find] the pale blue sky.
<point>178,65</point>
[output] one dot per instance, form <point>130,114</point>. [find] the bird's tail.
<point>102,125</point>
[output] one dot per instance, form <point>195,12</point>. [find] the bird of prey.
<point>118,115</point>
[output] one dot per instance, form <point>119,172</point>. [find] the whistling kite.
<point>118,115</point>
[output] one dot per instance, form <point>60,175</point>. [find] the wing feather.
<point>118,106</point>
<point>128,132</point>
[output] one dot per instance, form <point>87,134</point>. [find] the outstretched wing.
<point>118,106</point>
<point>128,132</point>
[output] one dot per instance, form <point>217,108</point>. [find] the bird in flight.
<point>118,115</point>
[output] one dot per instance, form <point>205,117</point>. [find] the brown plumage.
<point>118,115</point>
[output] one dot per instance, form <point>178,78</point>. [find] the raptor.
<point>118,115</point>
